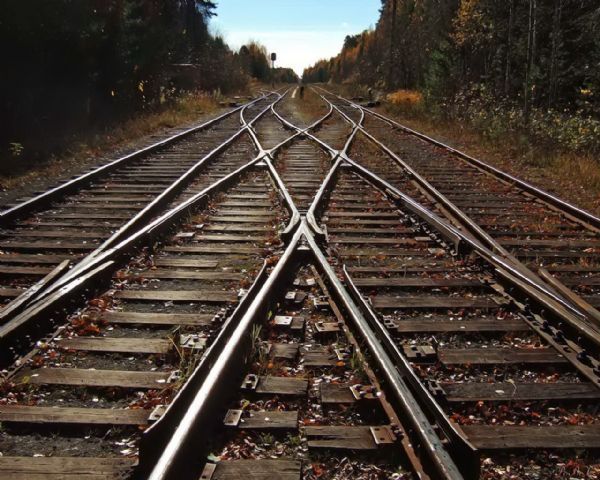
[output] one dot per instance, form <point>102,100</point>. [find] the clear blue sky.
<point>300,31</point>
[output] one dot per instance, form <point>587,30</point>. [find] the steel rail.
<point>45,198</point>
<point>566,207</point>
<point>504,267</point>
<point>460,444</point>
<point>442,462</point>
<point>407,201</point>
<point>336,156</point>
<point>584,320</point>
<point>194,427</point>
<point>153,208</point>
<point>170,192</point>
<point>18,323</point>
<point>47,286</point>
<point>58,292</point>
<point>172,461</point>
<point>153,442</point>
<point>269,154</point>
<point>156,438</point>
<point>563,294</point>
<point>188,437</point>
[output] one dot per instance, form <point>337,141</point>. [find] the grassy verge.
<point>572,176</point>
<point>89,148</point>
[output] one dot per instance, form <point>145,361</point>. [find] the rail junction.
<point>299,289</point>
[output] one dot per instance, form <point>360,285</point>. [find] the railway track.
<point>470,344</point>
<point>69,224</point>
<point>552,237</point>
<point>303,305</point>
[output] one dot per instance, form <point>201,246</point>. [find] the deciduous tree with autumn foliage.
<point>533,61</point>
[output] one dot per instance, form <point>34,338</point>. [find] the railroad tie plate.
<point>420,353</point>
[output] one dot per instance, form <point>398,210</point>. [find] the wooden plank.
<point>400,270</point>
<point>88,216</point>
<point>336,393</point>
<point>417,282</point>
<point>237,228</point>
<point>123,345</point>
<point>94,378</point>
<point>271,385</point>
<point>361,221</point>
<point>65,468</point>
<point>475,391</point>
<point>19,270</point>
<point>33,259</point>
<point>6,292</point>
<point>369,215</point>
<point>212,296</point>
<point>255,212</point>
<point>70,415</point>
<point>555,243</point>
<point>264,469</point>
<point>460,325</point>
<point>214,249</point>
<point>318,356</point>
<point>151,318</point>
<point>270,420</point>
<point>373,252</point>
<point>248,219</point>
<point>72,234</point>
<point>19,303</point>
<point>187,274</point>
<point>379,231</point>
<point>433,301</point>
<point>48,245</point>
<point>184,262</point>
<point>501,437</point>
<point>378,241</point>
<point>229,238</point>
<point>490,356</point>
<point>342,437</point>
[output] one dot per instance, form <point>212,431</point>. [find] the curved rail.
<point>43,199</point>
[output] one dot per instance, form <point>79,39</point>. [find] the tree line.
<point>74,64</point>
<point>530,54</point>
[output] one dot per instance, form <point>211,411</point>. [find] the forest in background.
<point>75,65</point>
<point>511,66</point>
